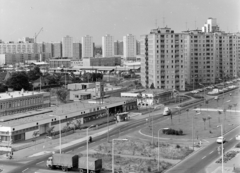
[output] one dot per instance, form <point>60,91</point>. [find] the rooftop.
<point>14,94</point>
<point>70,110</point>
<point>150,91</point>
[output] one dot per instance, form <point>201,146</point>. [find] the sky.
<point>76,18</point>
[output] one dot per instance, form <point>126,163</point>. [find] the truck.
<point>166,111</point>
<point>74,162</point>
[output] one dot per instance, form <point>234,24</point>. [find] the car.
<point>238,137</point>
<point>216,98</point>
<point>220,140</point>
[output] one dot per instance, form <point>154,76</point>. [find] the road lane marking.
<point>69,151</point>
<point>25,169</point>
<point>230,139</point>
<point>93,142</point>
<point>39,162</point>
<point>203,157</point>
<point>211,152</point>
<point>80,147</point>
<point>228,101</point>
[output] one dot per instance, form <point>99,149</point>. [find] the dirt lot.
<point>139,155</point>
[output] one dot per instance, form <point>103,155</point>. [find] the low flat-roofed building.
<point>149,97</point>
<point>106,61</point>
<point>22,127</point>
<point>91,92</point>
<point>22,101</point>
<point>80,86</point>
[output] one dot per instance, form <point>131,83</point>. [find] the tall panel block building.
<point>174,60</point>
<point>162,59</point>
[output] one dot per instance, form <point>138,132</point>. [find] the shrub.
<point>238,145</point>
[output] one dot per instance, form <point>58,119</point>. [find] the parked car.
<point>220,140</point>
<point>238,137</point>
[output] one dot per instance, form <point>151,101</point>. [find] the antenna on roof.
<point>186,26</point>
<point>195,25</point>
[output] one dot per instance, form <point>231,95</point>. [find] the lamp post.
<point>87,145</point>
<point>158,150</point>
<point>60,135</point>
<point>193,129</point>
<point>204,89</point>
<point>113,151</point>
<point>107,122</point>
<point>222,143</point>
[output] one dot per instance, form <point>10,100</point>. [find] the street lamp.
<point>60,135</point>
<point>222,143</point>
<point>107,112</point>
<point>158,150</point>
<point>193,129</point>
<point>113,151</point>
<point>204,89</point>
<point>87,145</point>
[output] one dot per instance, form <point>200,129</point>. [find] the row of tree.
<point>25,80</point>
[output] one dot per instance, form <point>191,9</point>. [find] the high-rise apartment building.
<point>48,48</point>
<point>87,46</point>
<point>162,59</point>
<point>210,25</point>
<point>210,57</point>
<point>18,48</point>
<point>137,47</point>
<point>57,49</point>
<point>129,47</point>
<point>107,46</point>
<point>171,60</point>
<point>118,47</point>
<point>67,46</point>
<point>77,51</point>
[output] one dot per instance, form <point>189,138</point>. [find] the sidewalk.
<point>48,145</point>
<point>42,139</point>
<point>228,167</point>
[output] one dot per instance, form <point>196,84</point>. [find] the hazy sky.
<point>19,18</point>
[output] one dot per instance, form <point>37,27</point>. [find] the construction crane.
<point>36,35</point>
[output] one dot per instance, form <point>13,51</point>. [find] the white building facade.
<point>129,47</point>
<point>67,46</point>
<point>107,46</point>
<point>87,46</point>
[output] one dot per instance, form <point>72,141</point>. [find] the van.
<point>166,111</point>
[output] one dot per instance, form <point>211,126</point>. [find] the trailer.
<point>94,165</point>
<point>63,161</point>
<point>74,162</point>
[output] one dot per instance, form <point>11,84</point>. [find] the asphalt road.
<point>193,164</point>
<point>121,130</point>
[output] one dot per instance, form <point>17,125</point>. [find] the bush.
<point>238,145</point>
<point>172,132</point>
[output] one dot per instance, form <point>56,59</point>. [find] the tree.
<point>152,86</point>
<point>34,74</point>
<point>52,80</point>
<point>219,113</point>
<point>230,108</point>
<point>18,81</point>
<point>3,88</point>
<point>50,130</point>
<point>187,112</point>
<point>62,95</point>
<point>204,120</point>
<point>209,118</point>
<point>235,105</point>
